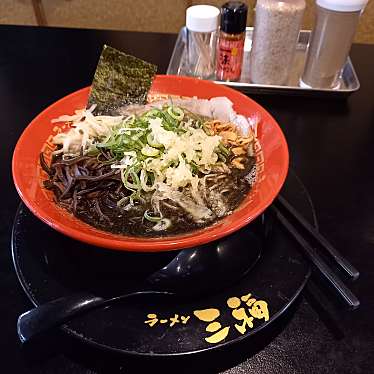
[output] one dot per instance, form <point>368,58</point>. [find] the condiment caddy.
<point>348,80</point>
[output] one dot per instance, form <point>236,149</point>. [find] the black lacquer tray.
<point>50,265</point>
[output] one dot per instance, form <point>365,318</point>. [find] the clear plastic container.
<point>202,32</point>
<point>276,31</point>
<point>334,30</point>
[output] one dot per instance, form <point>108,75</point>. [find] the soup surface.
<point>165,168</point>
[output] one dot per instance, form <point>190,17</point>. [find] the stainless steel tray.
<point>348,81</point>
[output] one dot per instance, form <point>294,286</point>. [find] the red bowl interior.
<point>272,163</point>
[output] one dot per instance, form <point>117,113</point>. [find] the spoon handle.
<point>341,289</point>
<point>46,317</point>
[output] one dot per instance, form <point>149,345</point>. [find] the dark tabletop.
<point>330,144</point>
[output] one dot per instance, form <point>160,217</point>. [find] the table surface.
<point>330,143</point>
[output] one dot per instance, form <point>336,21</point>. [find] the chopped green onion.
<point>151,141</point>
<point>144,180</point>
<point>130,153</point>
<point>122,201</point>
<point>152,113</point>
<point>151,218</point>
<point>221,157</point>
<point>224,150</point>
<point>139,143</point>
<point>150,151</point>
<point>137,136</point>
<point>207,130</point>
<point>176,113</point>
<point>194,167</point>
<point>134,196</point>
<point>162,225</point>
<point>135,184</point>
<point>93,151</point>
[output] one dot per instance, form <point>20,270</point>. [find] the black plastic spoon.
<point>192,272</point>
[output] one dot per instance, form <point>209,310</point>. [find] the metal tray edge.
<point>270,89</point>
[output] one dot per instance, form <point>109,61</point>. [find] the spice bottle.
<point>202,25</point>
<point>335,27</point>
<point>231,41</point>
<point>276,31</point>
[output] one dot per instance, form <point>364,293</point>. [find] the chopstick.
<point>342,290</point>
<point>341,261</point>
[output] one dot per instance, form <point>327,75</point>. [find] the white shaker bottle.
<point>202,30</point>
<point>275,35</point>
<point>331,40</point>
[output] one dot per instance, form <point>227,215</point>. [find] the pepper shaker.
<point>331,40</point>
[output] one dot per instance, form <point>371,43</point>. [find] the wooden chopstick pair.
<point>331,277</point>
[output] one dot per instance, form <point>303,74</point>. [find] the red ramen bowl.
<point>271,160</point>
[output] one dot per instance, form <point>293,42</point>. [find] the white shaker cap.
<point>343,5</point>
<point>202,18</point>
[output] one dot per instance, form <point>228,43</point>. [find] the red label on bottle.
<point>229,59</point>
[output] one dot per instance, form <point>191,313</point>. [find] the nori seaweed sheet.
<point>120,80</point>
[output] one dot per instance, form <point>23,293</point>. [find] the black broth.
<point>93,199</point>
